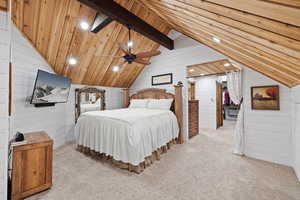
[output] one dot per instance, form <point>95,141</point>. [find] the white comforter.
<point>89,107</point>
<point>128,135</point>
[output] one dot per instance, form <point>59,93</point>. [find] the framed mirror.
<point>88,99</point>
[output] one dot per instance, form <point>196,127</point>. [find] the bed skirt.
<point>132,168</point>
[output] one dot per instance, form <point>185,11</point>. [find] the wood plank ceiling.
<point>219,67</point>
<point>52,26</point>
<point>3,5</point>
<point>263,35</point>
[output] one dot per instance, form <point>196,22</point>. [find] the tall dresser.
<point>193,118</point>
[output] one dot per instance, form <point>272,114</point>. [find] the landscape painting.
<point>265,97</point>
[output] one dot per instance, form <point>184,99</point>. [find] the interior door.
<point>219,105</point>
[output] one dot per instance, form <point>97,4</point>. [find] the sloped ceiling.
<point>52,26</point>
<point>3,5</point>
<point>210,68</point>
<point>263,35</point>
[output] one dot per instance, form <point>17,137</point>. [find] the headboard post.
<point>126,97</point>
<point>179,111</point>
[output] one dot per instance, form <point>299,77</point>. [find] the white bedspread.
<point>128,135</point>
<point>89,107</point>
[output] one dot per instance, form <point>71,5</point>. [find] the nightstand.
<point>32,165</point>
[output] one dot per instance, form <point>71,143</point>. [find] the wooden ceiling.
<point>3,5</point>
<point>218,67</point>
<point>263,35</point>
<point>52,26</point>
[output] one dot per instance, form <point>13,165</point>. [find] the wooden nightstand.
<point>32,165</point>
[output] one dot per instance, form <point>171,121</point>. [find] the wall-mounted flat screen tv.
<point>50,88</point>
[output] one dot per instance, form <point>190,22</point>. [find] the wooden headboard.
<point>155,93</point>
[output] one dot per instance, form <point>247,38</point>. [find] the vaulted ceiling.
<point>263,35</point>
<point>3,5</point>
<point>52,26</point>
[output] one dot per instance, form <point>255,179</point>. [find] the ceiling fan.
<point>131,57</point>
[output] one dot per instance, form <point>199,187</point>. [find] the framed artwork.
<point>265,97</point>
<point>162,79</point>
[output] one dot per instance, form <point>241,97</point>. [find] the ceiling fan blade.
<point>141,61</point>
<point>123,49</point>
<point>148,54</point>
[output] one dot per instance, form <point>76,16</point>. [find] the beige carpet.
<point>204,169</point>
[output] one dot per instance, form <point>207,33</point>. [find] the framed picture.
<point>265,97</point>
<point>162,79</point>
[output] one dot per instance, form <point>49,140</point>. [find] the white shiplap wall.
<point>206,94</point>
<point>187,52</point>
<point>296,131</point>
<point>57,121</point>
<point>268,133</point>
<point>4,128</point>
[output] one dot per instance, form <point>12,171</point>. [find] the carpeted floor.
<point>204,169</point>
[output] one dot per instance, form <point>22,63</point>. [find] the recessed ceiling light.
<point>84,25</point>
<point>216,39</point>
<point>130,44</point>
<point>202,74</point>
<point>116,68</point>
<point>191,70</point>
<point>72,61</point>
<point>226,64</point>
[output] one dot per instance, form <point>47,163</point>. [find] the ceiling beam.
<point>100,22</point>
<point>125,17</point>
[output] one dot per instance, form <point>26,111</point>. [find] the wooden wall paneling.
<point>185,24</point>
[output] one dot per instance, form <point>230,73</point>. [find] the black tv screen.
<point>50,88</point>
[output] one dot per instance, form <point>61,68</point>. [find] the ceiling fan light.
<point>130,44</point>
<point>216,39</point>
<point>72,61</point>
<point>116,68</point>
<point>84,25</point>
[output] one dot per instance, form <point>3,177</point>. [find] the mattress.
<point>128,135</point>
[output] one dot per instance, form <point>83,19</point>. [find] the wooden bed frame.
<point>151,93</point>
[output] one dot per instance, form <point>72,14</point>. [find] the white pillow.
<point>138,103</point>
<point>161,104</point>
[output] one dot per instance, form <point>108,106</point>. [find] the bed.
<point>131,138</point>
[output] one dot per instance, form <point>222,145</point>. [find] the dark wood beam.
<point>116,12</point>
<point>100,22</point>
